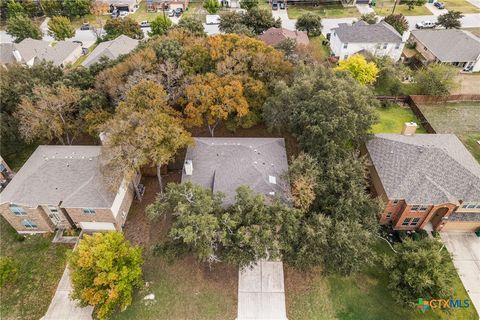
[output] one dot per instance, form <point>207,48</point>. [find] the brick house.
<point>63,187</point>
<point>425,180</point>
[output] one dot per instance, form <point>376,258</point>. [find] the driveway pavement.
<point>286,22</point>
<point>435,10</point>
<point>465,248</point>
<point>476,3</point>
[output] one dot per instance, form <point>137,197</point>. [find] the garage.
<point>97,226</point>
<point>461,226</point>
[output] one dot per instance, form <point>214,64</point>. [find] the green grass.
<point>364,296</point>
<point>475,31</point>
<point>84,56</point>
<point>470,140</point>
<point>325,11</point>
<point>384,8</point>
<point>460,5</point>
<point>392,118</point>
<point>40,265</point>
<point>20,154</point>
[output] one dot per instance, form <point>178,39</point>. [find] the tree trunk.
<point>159,176</point>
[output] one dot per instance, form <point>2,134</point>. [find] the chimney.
<point>188,167</point>
<point>409,128</point>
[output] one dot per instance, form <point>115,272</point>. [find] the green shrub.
<point>8,270</point>
<point>19,237</point>
<point>435,234</point>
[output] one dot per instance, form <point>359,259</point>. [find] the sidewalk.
<point>364,9</point>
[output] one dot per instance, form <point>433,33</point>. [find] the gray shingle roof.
<point>52,174</point>
<point>224,164</point>
<point>425,168</point>
<point>450,45</point>
<point>362,32</point>
<point>274,36</point>
<point>111,49</point>
<point>466,217</point>
<point>6,53</point>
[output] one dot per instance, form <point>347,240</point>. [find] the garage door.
<point>461,226</point>
<point>97,226</point>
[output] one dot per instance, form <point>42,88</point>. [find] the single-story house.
<point>157,5</point>
<point>31,52</point>
<point>274,36</point>
<point>63,187</point>
<point>123,5</point>
<point>380,39</point>
<point>111,49</point>
<point>224,164</point>
<point>457,47</point>
<point>425,180</point>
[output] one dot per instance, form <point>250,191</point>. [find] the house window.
<point>397,46</point>
<point>395,201</point>
<point>465,205</point>
<point>345,45</point>
<point>414,208</point>
<point>406,221</point>
<point>425,48</point>
<point>423,208</point>
<point>471,206</point>
<point>385,45</point>
<point>29,224</point>
<point>124,215</point>
<point>18,211</point>
<point>345,56</point>
<point>88,211</point>
<point>415,221</point>
<point>389,215</point>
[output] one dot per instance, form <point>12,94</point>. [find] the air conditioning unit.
<point>188,166</point>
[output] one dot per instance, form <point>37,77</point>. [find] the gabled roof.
<point>362,32</point>
<point>273,36</point>
<point>224,164</point>
<point>450,45</point>
<point>53,174</point>
<point>111,49</point>
<point>425,168</point>
<point>6,53</point>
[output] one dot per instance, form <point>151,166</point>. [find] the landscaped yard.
<point>392,118</point>
<point>385,7</point>
<point>326,11</point>
<point>460,5</point>
<point>39,265</point>
<point>364,296</point>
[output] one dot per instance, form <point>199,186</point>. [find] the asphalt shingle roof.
<point>425,168</point>
<point>450,45</point>
<point>362,32</point>
<point>54,174</point>
<point>111,49</point>
<point>274,36</point>
<point>224,164</point>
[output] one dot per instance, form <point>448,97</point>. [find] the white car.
<point>425,24</point>
<point>123,14</point>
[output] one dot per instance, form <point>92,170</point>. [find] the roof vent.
<point>188,166</point>
<point>272,179</point>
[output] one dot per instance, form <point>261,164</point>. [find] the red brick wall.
<point>36,215</point>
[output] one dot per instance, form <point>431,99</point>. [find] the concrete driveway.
<point>465,248</point>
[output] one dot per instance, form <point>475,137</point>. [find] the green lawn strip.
<point>475,31</point>
<point>326,11</point>
<point>392,118</point>
<point>40,265</point>
<point>470,140</point>
<point>460,5</point>
<point>385,7</point>
<point>84,56</point>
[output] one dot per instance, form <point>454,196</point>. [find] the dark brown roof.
<point>275,35</point>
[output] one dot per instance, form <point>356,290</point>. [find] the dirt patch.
<point>468,83</point>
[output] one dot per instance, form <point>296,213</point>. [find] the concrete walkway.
<point>436,12</point>
<point>261,292</point>
<point>476,3</point>
<point>364,9</point>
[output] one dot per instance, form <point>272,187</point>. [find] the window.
<point>345,56</point>
<point>395,201</point>
<point>397,46</point>
<point>465,205</point>
<point>345,45</point>
<point>389,215</point>
<point>385,45</point>
<point>29,224</point>
<point>406,221</point>
<point>414,208</point>
<point>478,205</point>
<point>415,221</point>
<point>423,208</point>
<point>18,211</point>
<point>425,48</point>
<point>471,206</point>
<point>88,211</point>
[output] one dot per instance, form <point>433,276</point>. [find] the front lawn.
<point>39,265</point>
<point>325,11</point>
<point>460,5</point>
<point>364,296</point>
<point>471,141</point>
<point>392,118</point>
<point>385,7</point>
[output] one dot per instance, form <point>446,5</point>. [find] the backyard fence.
<point>443,99</point>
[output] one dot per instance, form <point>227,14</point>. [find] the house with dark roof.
<point>379,39</point>
<point>224,164</point>
<point>425,181</point>
<point>64,187</point>
<point>111,50</point>
<point>456,47</point>
<point>274,36</point>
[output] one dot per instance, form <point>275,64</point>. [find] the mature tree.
<point>160,26</point>
<point>311,23</point>
<point>76,8</point>
<point>450,20</point>
<point>191,24</point>
<point>242,30</point>
<point>411,4</point>
<point>126,26</point>
<point>419,268</point>
<point>289,49</point>
<point>14,9</point>
<point>230,20</point>
<point>212,6</point>
<point>370,18</point>
<point>260,20</point>
<point>436,79</point>
<point>398,21</point>
<point>21,27</point>
<point>361,70</point>
<point>211,99</point>
<point>169,50</point>
<point>50,114</point>
<point>105,270</point>
<point>303,174</point>
<point>51,7</point>
<point>60,28</point>
<point>389,77</point>
<point>248,4</point>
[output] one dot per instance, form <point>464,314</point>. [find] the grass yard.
<point>384,8</point>
<point>471,141</point>
<point>453,117</point>
<point>460,5</point>
<point>475,31</point>
<point>39,265</point>
<point>325,11</point>
<point>364,296</point>
<point>392,118</point>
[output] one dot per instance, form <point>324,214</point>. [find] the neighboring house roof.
<point>6,53</point>
<point>67,174</point>
<point>362,32</point>
<point>425,168</point>
<point>224,164</point>
<point>111,49</point>
<point>450,45</point>
<point>30,48</point>
<point>273,36</point>
<point>59,53</point>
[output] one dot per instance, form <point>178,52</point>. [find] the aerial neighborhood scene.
<point>240,159</point>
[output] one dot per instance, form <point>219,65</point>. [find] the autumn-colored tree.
<point>303,173</point>
<point>50,114</point>
<point>105,269</point>
<point>126,26</point>
<point>211,99</point>
<point>361,70</point>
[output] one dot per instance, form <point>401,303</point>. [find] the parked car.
<point>425,24</point>
<point>439,5</point>
<point>144,24</point>
<point>79,42</point>
<point>468,68</point>
<point>115,13</point>
<point>123,14</point>
<point>171,13</point>
<point>274,6</point>
<point>178,12</point>
<point>85,26</point>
